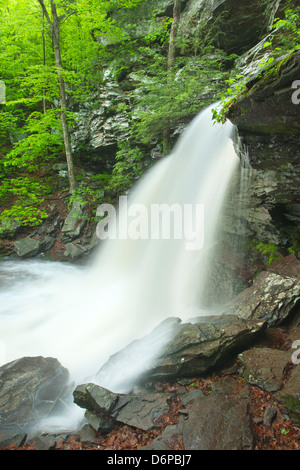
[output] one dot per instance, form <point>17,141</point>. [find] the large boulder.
<point>265,367</point>
<point>190,349</point>
<point>271,299</point>
<point>216,421</point>
<point>193,349</point>
<point>27,247</point>
<point>30,388</point>
<point>220,420</point>
<point>30,247</point>
<point>141,410</point>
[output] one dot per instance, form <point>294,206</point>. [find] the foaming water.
<point>83,315</point>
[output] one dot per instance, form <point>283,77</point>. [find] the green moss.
<point>293,405</point>
<point>270,250</point>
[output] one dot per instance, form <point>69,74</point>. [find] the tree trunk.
<point>171,57</point>
<point>173,33</point>
<point>54,25</point>
<point>44,57</point>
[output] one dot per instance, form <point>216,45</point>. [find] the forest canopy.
<point>54,54</point>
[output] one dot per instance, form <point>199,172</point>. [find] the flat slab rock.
<point>265,367</point>
<point>218,421</point>
<point>139,410</point>
<point>197,347</point>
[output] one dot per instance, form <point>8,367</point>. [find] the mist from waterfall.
<point>81,315</point>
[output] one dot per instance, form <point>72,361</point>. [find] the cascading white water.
<point>82,315</point>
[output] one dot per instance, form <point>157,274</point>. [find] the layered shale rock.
<point>268,123</point>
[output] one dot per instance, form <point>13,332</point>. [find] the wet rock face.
<point>102,119</point>
<point>236,25</point>
<point>198,347</point>
<point>268,109</point>
<point>190,349</point>
<point>99,127</point>
<point>268,122</point>
<point>29,390</point>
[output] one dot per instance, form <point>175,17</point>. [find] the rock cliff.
<point>268,122</point>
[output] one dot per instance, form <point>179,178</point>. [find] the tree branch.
<point>41,2</point>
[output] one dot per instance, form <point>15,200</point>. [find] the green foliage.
<point>8,124</point>
<point>289,29</point>
<point>236,87</point>
<point>43,142</point>
<point>129,167</point>
<point>168,97</point>
<point>26,67</point>
<point>270,250</point>
<point>91,189</point>
<point>288,35</point>
<point>24,195</point>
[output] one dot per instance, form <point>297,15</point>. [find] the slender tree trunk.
<point>62,92</point>
<point>54,25</point>
<point>171,57</point>
<point>44,58</point>
<point>173,33</point>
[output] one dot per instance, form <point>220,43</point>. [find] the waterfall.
<point>83,314</point>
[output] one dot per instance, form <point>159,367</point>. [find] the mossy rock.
<point>290,395</point>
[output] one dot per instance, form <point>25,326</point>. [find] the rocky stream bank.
<point>229,381</point>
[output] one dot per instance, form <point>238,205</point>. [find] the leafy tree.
<point>54,24</point>
<point>48,57</point>
<point>129,167</point>
<point>167,102</point>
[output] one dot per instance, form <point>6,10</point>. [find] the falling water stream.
<point>81,315</point>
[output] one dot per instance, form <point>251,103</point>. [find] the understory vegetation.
<point>46,80</point>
